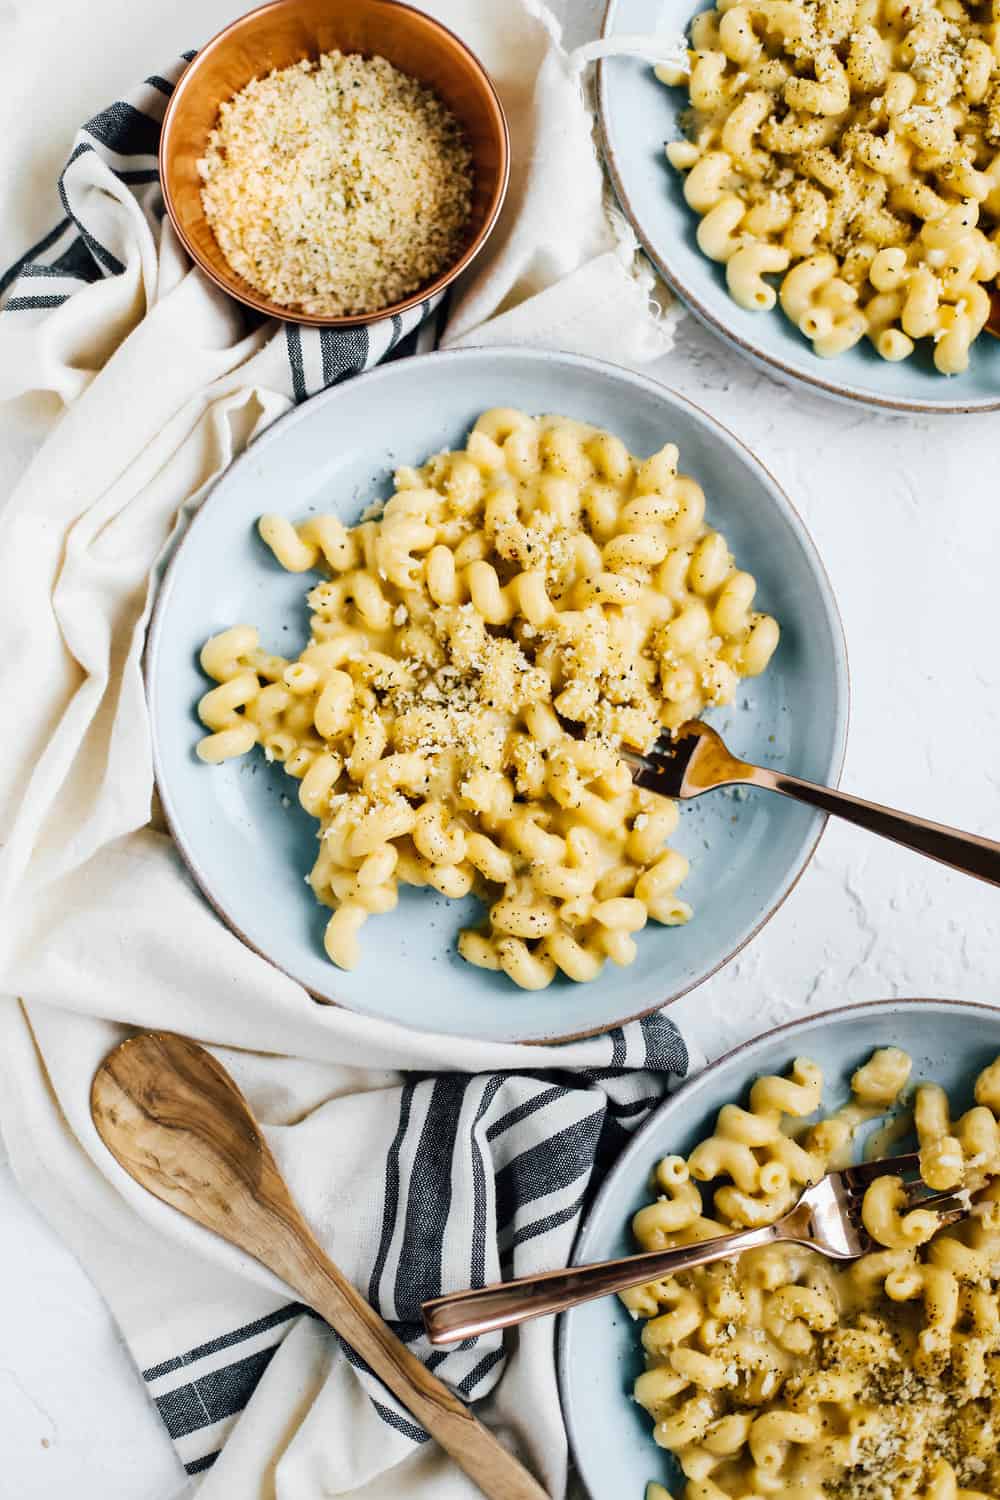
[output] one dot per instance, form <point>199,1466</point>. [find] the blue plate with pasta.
<point>392,811</point>
<point>639,115</point>
<point>762,1377</point>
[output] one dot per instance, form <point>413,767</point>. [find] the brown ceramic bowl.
<point>284,32</point>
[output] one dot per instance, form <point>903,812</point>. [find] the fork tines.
<point>857,1178</point>
<point>662,768</point>
<point>948,1206</point>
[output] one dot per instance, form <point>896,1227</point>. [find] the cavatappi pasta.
<point>782,1373</point>
<point>851,148</point>
<point>540,577</point>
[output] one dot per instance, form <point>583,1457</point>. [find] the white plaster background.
<point>906,514</point>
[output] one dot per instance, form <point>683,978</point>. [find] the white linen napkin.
<point>423,1163</point>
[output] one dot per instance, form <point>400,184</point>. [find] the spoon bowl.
<point>175,1120</point>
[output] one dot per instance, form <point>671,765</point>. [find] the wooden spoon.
<point>177,1123</point>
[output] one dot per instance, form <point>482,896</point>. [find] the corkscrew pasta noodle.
<point>479,653</point>
<point>783,1373</point>
<point>851,149</point>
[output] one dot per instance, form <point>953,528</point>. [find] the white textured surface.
<point>74,1418</point>
<point>905,514</point>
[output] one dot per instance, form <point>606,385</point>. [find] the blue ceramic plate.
<point>239,826</point>
<point>637,115</point>
<point>599,1353</point>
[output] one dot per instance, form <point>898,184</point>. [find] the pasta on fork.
<point>541,576</point>
<point>784,1373</point>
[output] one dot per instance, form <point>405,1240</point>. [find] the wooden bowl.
<point>284,32</point>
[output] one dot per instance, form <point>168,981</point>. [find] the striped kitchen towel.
<point>439,1181</point>
<point>110,234</point>
<point>485,1176</point>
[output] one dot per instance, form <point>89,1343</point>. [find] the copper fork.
<point>993,321</point>
<point>827,1217</point>
<point>698,761</point>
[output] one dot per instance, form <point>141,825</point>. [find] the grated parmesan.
<point>337,186</point>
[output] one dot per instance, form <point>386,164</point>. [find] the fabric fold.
<point>423,1163</point>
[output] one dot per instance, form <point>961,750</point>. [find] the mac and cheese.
<point>541,577</point>
<point>851,147</point>
<point>782,1373</point>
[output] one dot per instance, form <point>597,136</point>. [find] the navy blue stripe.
<point>406,346</point>
<point>357,348</point>
<point>428,1200</point>
<point>438,1356</point>
<point>480,1371</point>
<point>199,1465</point>
<point>97,250</point>
<point>214,1396</point>
<point>327,350</point>
<point>391,1198</point>
<point>27,304</point>
<point>393,1419</point>
<point>614,1138</point>
<point>77,261</point>
<point>637,1107</point>
<point>666,1050</point>
<point>163,84</point>
<point>294,342</point>
<point>548,1167</point>
<point>477,1266</point>
<point>137,175</point>
<point>14,271</point>
<point>407,1330</point>
<point>440,316</point>
<point>226,1340</point>
<point>344,353</point>
<point>542,1226</point>
<point>40,270</point>
<point>522,1111</point>
<point>125,130</point>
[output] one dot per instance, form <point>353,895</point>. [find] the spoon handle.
<point>300,1261</point>
<point>949,846</point>
<point>175,1120</point>
<point>485,1460</point>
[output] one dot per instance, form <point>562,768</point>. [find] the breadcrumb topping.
<point>337,186</point>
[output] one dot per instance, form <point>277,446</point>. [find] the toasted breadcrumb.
<point>337,186</point>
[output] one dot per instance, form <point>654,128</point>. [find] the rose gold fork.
<point>697,761</point>
<point>993,321</point>
<point>827,1217</point>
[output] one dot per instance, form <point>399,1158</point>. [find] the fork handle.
<point>949,846</point>
<point>464,1315</point>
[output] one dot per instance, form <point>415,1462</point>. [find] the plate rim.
<point>649,1127</point>
<point>898,406</point>
<point>604,369</point>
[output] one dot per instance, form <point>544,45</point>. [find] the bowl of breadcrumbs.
<point>334,165</point>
